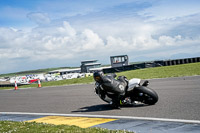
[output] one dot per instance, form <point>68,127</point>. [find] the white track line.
<point>106,116</point>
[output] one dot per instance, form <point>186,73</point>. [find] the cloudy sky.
<point>38,34</point>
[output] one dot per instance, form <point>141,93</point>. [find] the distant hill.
<point>29,72</point>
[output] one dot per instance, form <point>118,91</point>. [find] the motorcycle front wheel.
<point>147,95</point>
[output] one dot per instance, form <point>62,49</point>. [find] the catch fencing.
<point>152,64</point>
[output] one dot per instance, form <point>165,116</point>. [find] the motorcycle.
<point>135,93</point>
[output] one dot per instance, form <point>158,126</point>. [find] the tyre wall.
<point>152,64</point>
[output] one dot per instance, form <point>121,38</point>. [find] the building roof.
<point>65,70</point>
<point>92,64</point>
<point>88,61</point>
<point>118,56</point>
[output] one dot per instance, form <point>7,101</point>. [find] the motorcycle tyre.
<point>151,93</point>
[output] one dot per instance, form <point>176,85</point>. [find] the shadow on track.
<point>94,108</point>
<point>105,107</point>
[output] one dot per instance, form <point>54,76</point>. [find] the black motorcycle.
<point>135,93</point>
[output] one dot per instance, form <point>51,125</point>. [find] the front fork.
<point>96,88</point>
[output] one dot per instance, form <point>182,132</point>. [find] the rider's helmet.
<point>98,76</point>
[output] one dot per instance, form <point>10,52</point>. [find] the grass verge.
<point>33,127</point>
<point>164,71</point>
<point>148,73</point>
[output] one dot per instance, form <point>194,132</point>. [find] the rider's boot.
<point>126,101</point>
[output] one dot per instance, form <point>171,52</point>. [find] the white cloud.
<point>89,41</point>
<point>39,18</point>
<point>169,41</point>
<point>66,29</point>
<point>64,42</point>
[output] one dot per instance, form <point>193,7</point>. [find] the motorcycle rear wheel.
<point>149,96</point>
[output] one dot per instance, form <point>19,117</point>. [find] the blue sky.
<point>38,34</point>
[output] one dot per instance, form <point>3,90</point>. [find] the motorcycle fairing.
<point>133,82</point>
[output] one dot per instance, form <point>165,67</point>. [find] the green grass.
<point>148,73</point>
<point>32,127</point>
<point>164,72</point>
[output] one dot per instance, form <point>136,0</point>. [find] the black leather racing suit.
<point>115,89</point>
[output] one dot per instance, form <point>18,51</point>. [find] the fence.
<point>152,64</point>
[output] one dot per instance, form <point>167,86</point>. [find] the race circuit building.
<point>88,65</point>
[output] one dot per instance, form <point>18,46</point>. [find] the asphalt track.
<point>178,100</point>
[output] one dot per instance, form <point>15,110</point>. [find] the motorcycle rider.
<point>113,88</point>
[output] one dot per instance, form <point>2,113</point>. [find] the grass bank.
<point>148,73</point>
<point>164,71</point>
<point>32,127</point>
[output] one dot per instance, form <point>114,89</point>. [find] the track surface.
<point>179,98</point>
